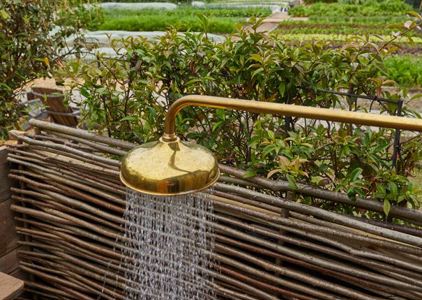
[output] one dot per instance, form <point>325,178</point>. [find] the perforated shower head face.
<point>169,168</point>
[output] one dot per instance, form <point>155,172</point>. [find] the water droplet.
<point>168,247</point>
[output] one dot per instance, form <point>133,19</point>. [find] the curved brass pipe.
<point>285,110</point>
<point>170,166</point>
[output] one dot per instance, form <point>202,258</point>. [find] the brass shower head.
<point>169,168</point>
<point>172,167</point>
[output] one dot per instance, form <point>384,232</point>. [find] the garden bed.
<point>380,22</point>
<point>370,18</point>
<point>315,27</point>
<point>347,38</point>
<point>367,9</point>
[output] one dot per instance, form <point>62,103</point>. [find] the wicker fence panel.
<point>69,203</point>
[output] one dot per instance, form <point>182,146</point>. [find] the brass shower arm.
<point>170,166</point>
<point>285,110</point>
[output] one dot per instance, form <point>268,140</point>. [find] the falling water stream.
<point>168,246</point>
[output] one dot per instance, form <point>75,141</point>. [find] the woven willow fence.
<point>69,203</point>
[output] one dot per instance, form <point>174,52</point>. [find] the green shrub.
<point>30,44</point>
<point>127,97</point>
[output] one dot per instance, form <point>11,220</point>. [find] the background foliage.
<point>127,97</point>
<point>32,35</point>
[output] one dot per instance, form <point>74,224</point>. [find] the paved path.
<point>10,287</point>
<point>272,22</point>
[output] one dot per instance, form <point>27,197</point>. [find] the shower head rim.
<point>192,168</point>
<point>203,188</point>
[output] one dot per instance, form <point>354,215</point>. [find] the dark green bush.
<point>127,97</point>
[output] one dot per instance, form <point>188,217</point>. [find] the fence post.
<point>284,213</point>
<point>397,146</point>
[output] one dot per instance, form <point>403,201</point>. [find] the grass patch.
<point>154,23</point>
<point>183,19</point>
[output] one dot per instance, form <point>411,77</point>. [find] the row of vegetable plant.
<point>301,37</point>
<point>368,8</point>
<point>373,17</point>
<point>376,20</point>
<point>185,10</point>
<point>300,27</point>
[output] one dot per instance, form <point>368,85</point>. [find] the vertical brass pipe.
<point>285,110</point>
